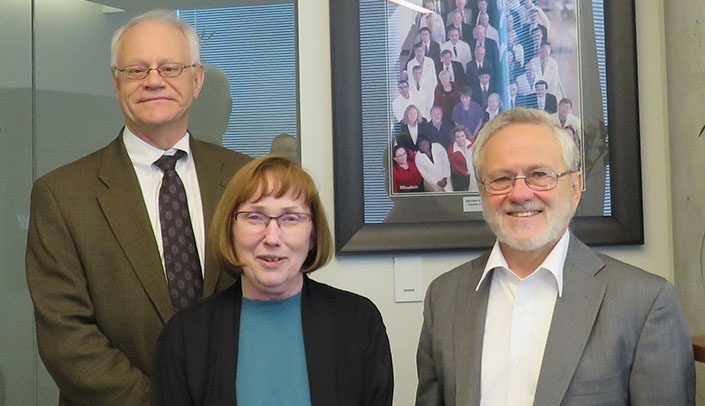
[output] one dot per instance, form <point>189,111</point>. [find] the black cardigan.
<point>347,350</point>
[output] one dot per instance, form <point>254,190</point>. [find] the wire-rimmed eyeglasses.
<point>167,70</point>
<point>540,180</point>
<point>258,222</point>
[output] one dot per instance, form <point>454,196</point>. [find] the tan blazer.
<point>95,274</point>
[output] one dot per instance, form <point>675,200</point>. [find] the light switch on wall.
<point>408,282</point>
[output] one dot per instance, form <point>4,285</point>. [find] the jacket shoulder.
<point>619,276</point>
<point>618,272</point>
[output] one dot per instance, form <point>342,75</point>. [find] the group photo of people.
<point>461,63</point>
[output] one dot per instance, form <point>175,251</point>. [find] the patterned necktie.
<point>183,267</point>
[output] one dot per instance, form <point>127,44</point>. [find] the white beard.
<point>558,220</point>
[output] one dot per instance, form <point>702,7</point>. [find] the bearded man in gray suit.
<point>542,319</point>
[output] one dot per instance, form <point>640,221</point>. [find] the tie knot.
<point>168,162</point>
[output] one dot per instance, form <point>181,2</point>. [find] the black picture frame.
<point>624,226</point>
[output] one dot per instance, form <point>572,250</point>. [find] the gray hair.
<point>495,96</point>
<point>443,73</point>
<point>521,115</point>
<point>163,16</point>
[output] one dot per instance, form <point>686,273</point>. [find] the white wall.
<point>685,37</point>
<point>373,276</point>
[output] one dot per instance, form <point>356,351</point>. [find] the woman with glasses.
<point>405,175</point>
<point>276,336</point>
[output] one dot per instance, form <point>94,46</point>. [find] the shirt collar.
<point>456,148</point>
<point>554,262</point>
<point>143,154</point>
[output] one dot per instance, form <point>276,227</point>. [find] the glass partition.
<point>16,346</point>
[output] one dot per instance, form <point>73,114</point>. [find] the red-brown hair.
<point>275,176</point>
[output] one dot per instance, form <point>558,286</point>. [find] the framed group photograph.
<point>415,81</point>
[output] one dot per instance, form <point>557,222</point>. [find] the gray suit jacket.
<point>617,337</point>
<point>95,274</point>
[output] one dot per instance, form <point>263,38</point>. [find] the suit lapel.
<point>121,200</point>
<point>469,332</point>
<point>211,183</point>
<point>573,319</point>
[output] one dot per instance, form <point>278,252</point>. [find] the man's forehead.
<point>522,136</point>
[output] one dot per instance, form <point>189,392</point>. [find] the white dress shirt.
<point>435,171</point>
<point>400,104</point>
<point>518,50</point>
<point>413,132</point>
<point>571,120</point>
<point>519,313</point>
<point>492,113</point>
<point>149,176</point>
<point>548,72</point>
<point>423,98</point>
<point>467,153</point>
<point>492,33</point>
<point>449,69</point>
<point>438,33</point>
<point>541,101</point>
<point>429,70</point>
<point>525,85</point>
<point>467,15</point>
<point>460,51</point>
